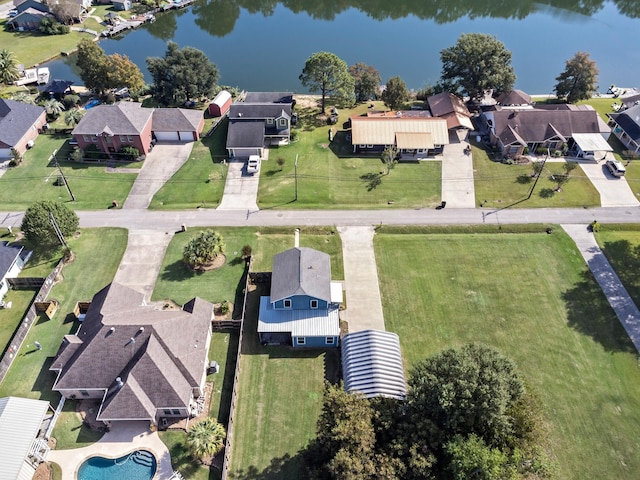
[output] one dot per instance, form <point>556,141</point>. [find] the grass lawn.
<point>29,375</point>
<point>10,318</point>
<point>532,297</point>
<point>500,185</point>
<point>622,249</point>
<point>178,283</point>
<point>327,181</point>
<point>34,179</point>
<point>200,181</point>
<point>182,461</point>
<point>31,48</point>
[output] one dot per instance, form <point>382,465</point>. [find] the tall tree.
<point>328,74</point>
<point>579,79</point>
<point>8,67</point>
<point>53,107</point>
<point>182,74</point>
<point>65,10</point>
<point>92,62</point>
<point>470,457</point>
<point>367,81</point>
<point>395,93</point>
<point>122,72</point>
<point>38,228</point>
<point>464,391</point>
<point>73,116</point>
<point>476,63</point>
<point>205,438</point>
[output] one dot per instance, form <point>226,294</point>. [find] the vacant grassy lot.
<point>178,283</point>
<point>531,296</point>
<point>34,179</point>
<point>327,181</point>
<point>622,249</point>
<point>31,48</point>
<point>98,253</point>
<point>200,181</point>
<point>500,185</point>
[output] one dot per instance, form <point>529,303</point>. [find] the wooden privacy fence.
<point>23,329</point>
<point>226,464</point>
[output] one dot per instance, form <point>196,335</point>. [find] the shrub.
<point>50,26</point>
<point>225,307</point>
<point>76,155</point>
<point>203,249</point>
<point>129,153</point>
<point>525,151</point>
<point>280,161</point>
<point>110,98</point>
<point>294,135</point>
<point>16,158</point>
<point>71,100</point>
<point>541,151</point>
<point>246,251</point>
<point>94,153</point>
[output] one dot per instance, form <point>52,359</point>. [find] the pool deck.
<point>119,441</point>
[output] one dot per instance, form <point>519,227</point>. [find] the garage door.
<point>167,136</point>
<point>5,153</point>
<point>186,136</point>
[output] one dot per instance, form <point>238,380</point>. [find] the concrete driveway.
<point>614,192</point>
<point>160,165</point>
<point>457,173</point>
<point>240,189</point>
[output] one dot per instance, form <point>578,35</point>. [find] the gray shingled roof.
<point>176,119</point>
<point>629,121</point>
<point>245,134</point>
<point>8,256</point>
<point>163,352</point>
<point>16,118</point>
<point>372,364</point>
<point>301,271</point>
<point>538,125</point>
<point>268,97</point>
<point>259,110</point>
<point>124,118</point>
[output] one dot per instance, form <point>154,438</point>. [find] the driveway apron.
<point>142,260</point>
<point>159,166</point>
<point>364,305</point>
<point>616,294</point>
<point>240,189</point>
<point>457,173</point>
<point>614,192</point>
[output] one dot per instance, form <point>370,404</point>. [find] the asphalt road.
<point>172,220</point>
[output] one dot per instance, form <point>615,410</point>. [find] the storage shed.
<point>220,105</point>
<point>372,364</point>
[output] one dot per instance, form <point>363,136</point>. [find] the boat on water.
<point>39,75</point>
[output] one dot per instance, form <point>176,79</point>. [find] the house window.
<point>422,150</point>
<point>302,341</point>
<point>269,121</point>
<point>84,393</point>
<point>175,411</point>
<point>94,139</point>
<point>362,146</point>
<point>282,122</point>
<point>130,138</point>
<point>330,340</point>
<point>167,411</point>
<point>314,303</point>
<point>86,138</point>
<point>286,303</point>
<point>369,146</point>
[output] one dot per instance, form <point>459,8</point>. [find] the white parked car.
<point>253,165</point>
<point>616,168</point>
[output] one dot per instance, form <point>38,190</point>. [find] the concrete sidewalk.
<point>159,166</point>
<point>616,294</point>
<point>122,439</point>
<point>457,173</point>
<point>142,260</point>
<point>364,305</point>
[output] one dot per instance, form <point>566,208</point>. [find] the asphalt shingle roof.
<point>175,119</point>
<point>245,134</point>
<point>16,118</point>
<point>301,271</point>
<point>124,118</point>
<point>268,97</point>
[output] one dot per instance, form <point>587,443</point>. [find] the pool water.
<point>138,465</point>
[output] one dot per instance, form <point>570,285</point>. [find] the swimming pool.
<point>138,465</point>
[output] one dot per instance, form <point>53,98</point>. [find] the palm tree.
<point>24,98</point>
<point>73,116</point>
<point>206,438</point>
<point>53,107</point>
<point>203,249</point>
<point>8,67</point>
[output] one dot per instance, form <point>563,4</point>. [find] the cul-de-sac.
<point>270,240</point>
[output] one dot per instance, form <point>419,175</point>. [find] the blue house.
<point>302,308</point>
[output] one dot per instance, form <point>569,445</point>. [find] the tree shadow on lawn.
<point>279,468</point>
<point>625,259</point>
<point>178,271</point>
<point>238,301</point>
<point>524,179</point>
<point>589,313</point>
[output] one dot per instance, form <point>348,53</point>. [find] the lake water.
<point>263,44</point>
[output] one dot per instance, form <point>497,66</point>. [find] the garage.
<point>186,136</point>
<point>5,153</point>
<point>168,136</point>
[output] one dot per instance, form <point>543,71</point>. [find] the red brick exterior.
<point>113,144</point>
<point>31,134</point>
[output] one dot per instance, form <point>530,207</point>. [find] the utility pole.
<point>64,179</point>
<point>56,229</point>
<point>295,174</point>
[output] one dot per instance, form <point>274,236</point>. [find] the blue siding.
<point>315,342</point>
<point>301,302</point>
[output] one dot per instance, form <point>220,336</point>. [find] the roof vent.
<point>239,114</point>
<point>132,340</point>
<point>112,329</point>
<point>141,329</point>
<point>119,382</point>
